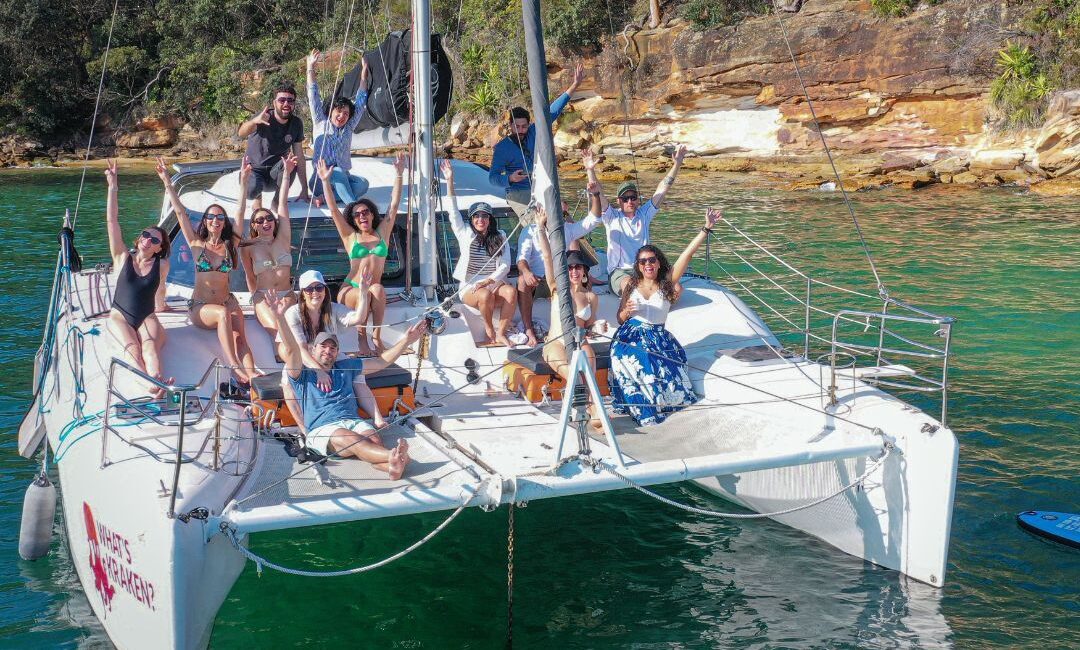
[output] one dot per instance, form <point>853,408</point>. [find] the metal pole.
<point>806,321</point>
<point>425,147</point>
<point>545,172</point>
<point>179,454</point>
<point>945,375</point>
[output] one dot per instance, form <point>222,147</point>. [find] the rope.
<point>261,562</point>
<point>97,106</point>
<point>510,577</point>
<point>739,515</point>
<point>882,291</point>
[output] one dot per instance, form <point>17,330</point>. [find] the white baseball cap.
<point>310,277</point>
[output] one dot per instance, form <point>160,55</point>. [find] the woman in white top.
<point>483,263</point>
<point>586,305</point>
<point>648,377</point>
<point>316,313</point>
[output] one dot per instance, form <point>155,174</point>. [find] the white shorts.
<point>318,439</point>
<point>469,286</point>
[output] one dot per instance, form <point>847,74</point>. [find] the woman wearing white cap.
<point>315,314</point>
<point>483,264</point>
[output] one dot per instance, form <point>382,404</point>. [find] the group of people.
<point>648,377</point>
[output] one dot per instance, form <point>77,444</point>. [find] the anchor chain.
<point>510,578</point>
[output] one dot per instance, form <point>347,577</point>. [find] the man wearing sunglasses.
<point>627,221</point>
<point>512,158</point>
<point>271,134</point>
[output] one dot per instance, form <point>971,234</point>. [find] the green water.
<point>617,570</point>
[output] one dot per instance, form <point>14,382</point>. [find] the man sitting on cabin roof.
<point>512,158</point>
<point>330,416</point>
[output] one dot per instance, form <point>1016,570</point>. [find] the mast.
<point>545,173</point>
<point>425,152</point>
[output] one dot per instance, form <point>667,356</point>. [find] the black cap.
<point>577,258</point>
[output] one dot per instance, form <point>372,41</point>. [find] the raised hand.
<point>593,187</point>
<point>447,168</point>
<point>245,171</point>
<point>276,302</point>
<point>289,162</point>
<point>314,58</point>
<point>110,173</point>
<point>162,170</point>
<point>323,171</point>
<point>588,160</point>
<point>540,218</point>
<point>712,215</point>
<point>679,153</point>
<point>401,161</point>
<point>579,76</point>
<point>365,74</point>
<point>264,117</point>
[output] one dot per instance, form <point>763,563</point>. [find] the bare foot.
<point>365,349</point>
<point>377,344</point>
<point>501,339</point>
<point>399,458</point>
<point>241,376</point>
<point>158,393</point>
<point>317,201</point>
<point>489,334</point>
<point>380,423</point>
<point>532,338</point>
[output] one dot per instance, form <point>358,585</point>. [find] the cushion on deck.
<point>268,387</point>
<point>533,358</point>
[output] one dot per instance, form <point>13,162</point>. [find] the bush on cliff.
<point>706,14</point>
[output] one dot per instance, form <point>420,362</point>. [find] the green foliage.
<point>1019,93</point>
<point>706,14</point>
<point>577,25</point>
<point>1053,30</point>
<point>893,8</point>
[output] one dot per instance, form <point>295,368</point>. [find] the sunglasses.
<point>364,212</point>
<point>261,220</point>
<point>646,260</point>
<point>215,217</point>
<point>577,267</point>
<point>315,288</point>
<point>151,237</point>
<point>628,197</point>
<point>286,100</point>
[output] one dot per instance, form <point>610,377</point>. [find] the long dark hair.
<point>251,228</point>
<point>228,236</point>
<point>663,274</point>
<point>324,315</point>
<point>164,252</point>
<point>350,218</point>
<point>491,239</point>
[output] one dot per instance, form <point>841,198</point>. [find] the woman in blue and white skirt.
<point>648,377</point>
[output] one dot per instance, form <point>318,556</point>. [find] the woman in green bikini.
<point>365,234</point>
<point>212,305</point>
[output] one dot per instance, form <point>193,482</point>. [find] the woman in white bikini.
<point>267,253</point>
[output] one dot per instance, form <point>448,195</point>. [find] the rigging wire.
<point>97,107</point>
<point>882,291</point>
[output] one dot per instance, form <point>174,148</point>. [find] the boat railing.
<point>99,297</point>
<point>841,327</point>
<point>180,402</point>
<point>188,172</point>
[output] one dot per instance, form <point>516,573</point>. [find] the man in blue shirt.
<point>328,400</point>
<point>512,158</point>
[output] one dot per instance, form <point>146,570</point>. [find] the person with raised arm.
<point>140,288</point>
<point>648,377</point>
<point>313,315</point>
<point>271,134</point>
<point>627,223</point>
<point>366,237</point>
<point>512,158</point>
<point>483,263</point>
<point>330,417</point>
<point>267,253</point>
<point>212,305</point>
<point>531,283</point>
<point>332,130</point>
<point>586,306</point>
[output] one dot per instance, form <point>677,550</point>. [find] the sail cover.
<point>388,96</point>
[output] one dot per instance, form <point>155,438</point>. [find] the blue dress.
<point>648,377</point>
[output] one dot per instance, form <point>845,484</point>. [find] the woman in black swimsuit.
<point>140,289</point>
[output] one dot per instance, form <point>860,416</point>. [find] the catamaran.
<point>162,496</point>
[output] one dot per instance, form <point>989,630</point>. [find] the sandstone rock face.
<point>906,98</point>
<point>146,139</point>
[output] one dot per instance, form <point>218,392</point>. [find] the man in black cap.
<point>330,417</point>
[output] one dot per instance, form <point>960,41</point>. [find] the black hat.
<point>577,258</point>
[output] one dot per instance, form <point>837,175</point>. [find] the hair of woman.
<point>490,239</point>
<point>324,315</point>
<point>376,217</point>
<point>164,252</point>
<point>253,230</point>
<point>227,234</point>
<point>663,274</point>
